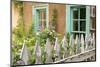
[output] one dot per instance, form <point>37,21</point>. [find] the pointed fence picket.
<point>77,46</point>
<point>57,50</point>
<point>24,54</point>
<point>64,46</point>
<point>48,50</point>
<point>37,53</point>
<point>82,43</point>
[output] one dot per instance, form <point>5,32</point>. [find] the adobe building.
<point>41,14</point>
<point>75,19</point>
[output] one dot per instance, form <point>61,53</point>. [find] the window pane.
<point>42,19</point>
<point>75,13</point>
<point>75,25</point>
<point>82,25</point>
<point>82,13</point>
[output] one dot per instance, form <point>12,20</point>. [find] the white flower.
<point>37,33</point>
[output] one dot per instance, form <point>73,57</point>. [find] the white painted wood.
<point>38,53</point>
<point>71,44</point>
<point>82,43</point>
<point>64,46</point>
<point>76,44</point>
<point>24,54</point>
<point>86,42</point>
<point>57,49</point>
<point>87,45</point>
<point>48,50</point>
<point>90,41</point>
<point>93,40</point>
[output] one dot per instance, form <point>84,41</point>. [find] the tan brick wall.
<point>61,19</point>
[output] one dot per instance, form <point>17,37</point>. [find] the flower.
<point>37,33</point>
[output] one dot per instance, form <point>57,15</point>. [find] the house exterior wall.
<point>61,17</point>
<point>27,15</point>
<point>15,16</point>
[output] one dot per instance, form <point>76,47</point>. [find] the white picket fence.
<point>80,49</point>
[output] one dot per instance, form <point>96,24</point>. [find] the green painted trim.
<point>36,21</point>
<point>87,19</point>
<point>68,19</point>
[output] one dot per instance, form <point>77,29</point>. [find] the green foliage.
<point>51,34</point>
<point>54,19</point>
<point>68,37</point>
<point>54,15</point>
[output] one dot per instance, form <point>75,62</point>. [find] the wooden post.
<point>93,40</point>
<point>64,46</point>
<point>76,45</point>
<point>57,50</point>
<point>86,42</point>
<point>82,43</point>
<point>90,41</point>
<point>37,53</point>
<point>71,44</point>
<point>48,50</point>
<point>24,54</point>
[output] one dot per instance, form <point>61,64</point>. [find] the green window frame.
<point>38,20</point>
<point>69,20</point>
<point>78,19</point>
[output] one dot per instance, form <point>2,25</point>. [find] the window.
<point>40,16</point>
<point>78,21</point>
<point>41,19</point>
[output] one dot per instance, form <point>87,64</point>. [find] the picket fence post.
<point>82,43</point>
<point>24,54</point>
<point>86,42</point>
<point>48,50</point>
<point>57,49</point>
<point>64,46</point>
<point>71,43</point>
<point>93,40</point>
<point>76,45</point>
<point>38,53</point>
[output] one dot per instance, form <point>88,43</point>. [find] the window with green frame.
<point>40,17</point>
<point>78,19</point>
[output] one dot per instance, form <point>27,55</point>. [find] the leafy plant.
<point>54,19</point>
